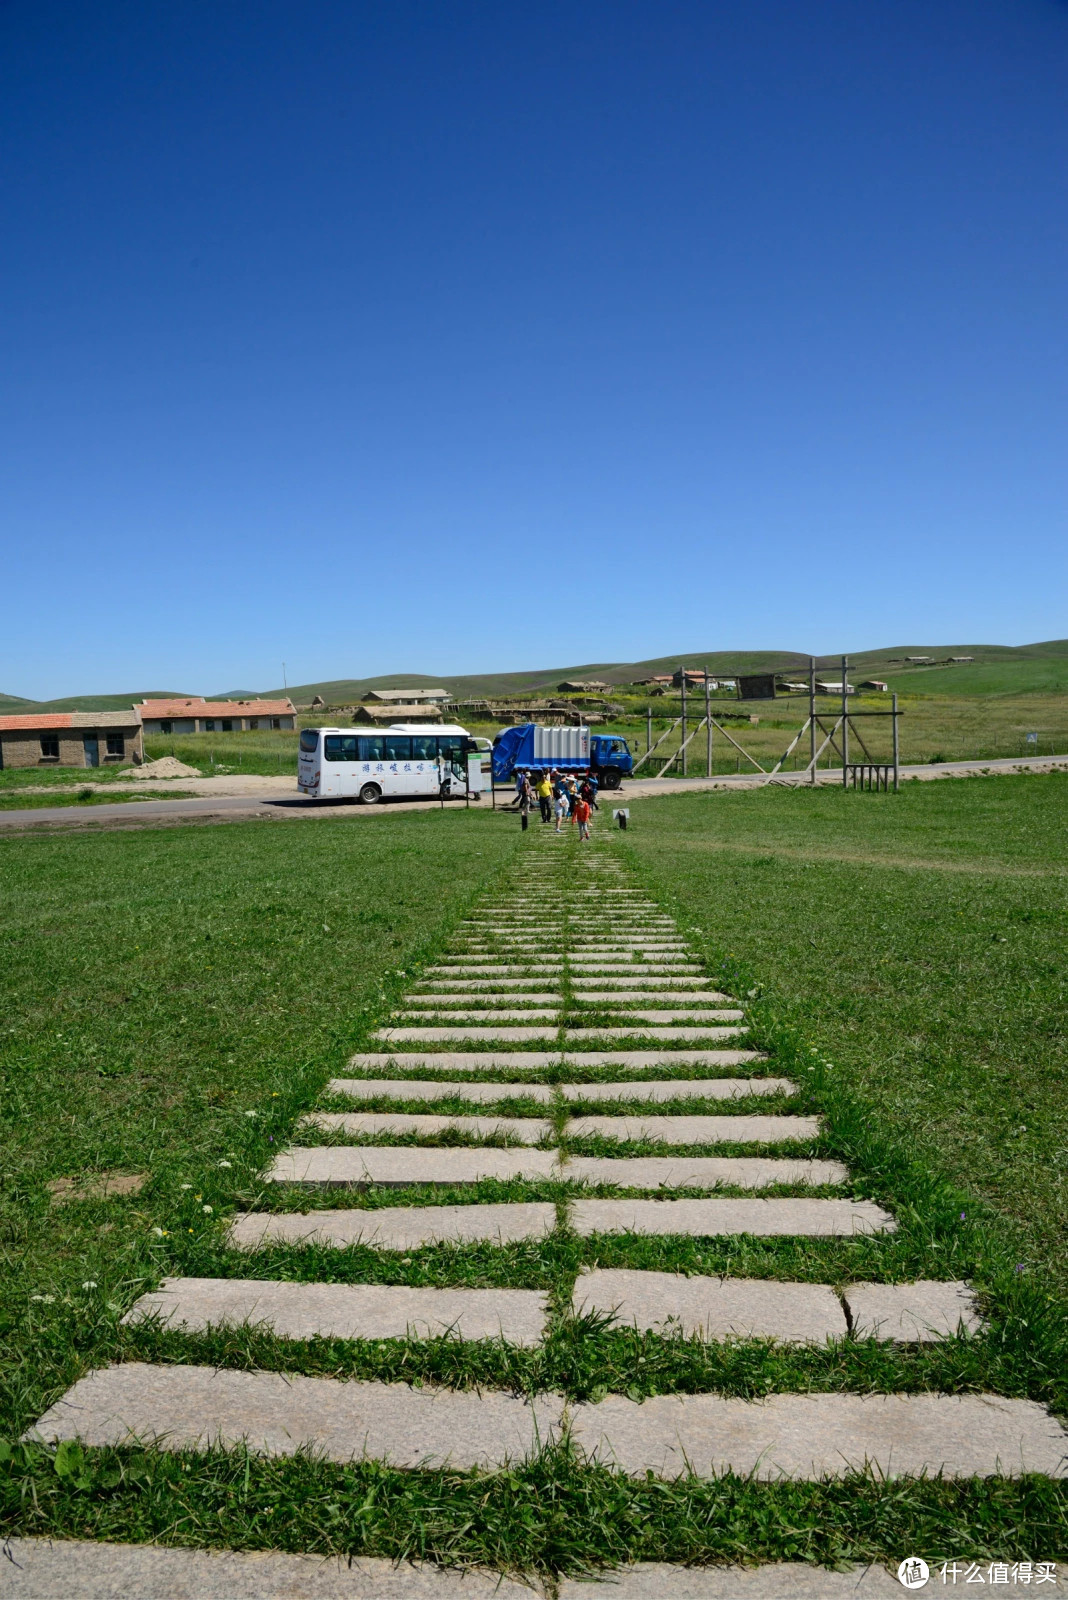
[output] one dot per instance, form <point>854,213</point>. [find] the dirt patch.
<point>96,1186</point>
<point>165,767</point>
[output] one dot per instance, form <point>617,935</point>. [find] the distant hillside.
<point>996,669</point>
<point>89,702</point>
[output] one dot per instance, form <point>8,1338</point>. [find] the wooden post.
<point>845,725</point>
<point>897,749</point>
<point>812,716</point>
<point>648,729</point>
<point>708,726</point>
<point>682,669</point>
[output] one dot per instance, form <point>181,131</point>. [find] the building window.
<point>116,745</point>
<point>50,747</point>
<point>227,726</point>
<point>165,727</point>
<point>253,722</point>
<point>276,722</point>
<point>209,725</point>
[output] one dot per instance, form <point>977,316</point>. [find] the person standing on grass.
<point>572,796</point>
<point>545,797</point>
<point>560,806</point>
<point>582,817</point>
<point>526,800</point>
<point>588,791</point>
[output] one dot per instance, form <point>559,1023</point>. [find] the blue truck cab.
<point>532,748</point>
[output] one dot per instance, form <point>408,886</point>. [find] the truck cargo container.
<point>532,748</point>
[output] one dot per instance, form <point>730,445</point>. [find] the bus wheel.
<point>370,794</point>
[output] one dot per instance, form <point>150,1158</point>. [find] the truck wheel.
<point>370,794</point>
<point>611,778</point>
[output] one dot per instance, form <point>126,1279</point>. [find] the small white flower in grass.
<point>250,1113</point>
<point>224,1163</point>
<point>187,1185</point>
<point>45,1299</point>
<point>90,1283</point>
<point>206,1210</point>
<point>159,1233</point>
<point>406,1261</point>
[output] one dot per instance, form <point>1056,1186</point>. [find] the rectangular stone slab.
<point>776,1580</point>
<point>499,964</point>
<point>345,1310</point>
<point>45,1569</point>
<point>430,1089</point>
<point>515,1061</point>
<point>911,1313</point>
<point>394,1227</point>
<point>462,986</point>
<point>367,1164</point>
<point>619,997</point>
<point>528,1130</point>
<point>456,1035</point>
<point>627,963</point>
<point>648,1030</point>
<point>711,1218</point>
<point>678,1089</point>
<point>484,997</point>
<point>702,1172</point>
<point>687,1014</point>
<point>813,1436</point>
<point>696,1130</point>
<point>277,1414</point>
<point>662,1058</point>
<point>713,1308</point>
<point>646,983</point>
<point>492,1014</point>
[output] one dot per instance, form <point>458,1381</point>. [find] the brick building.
<point>214,716</point>
<point>71,739</point>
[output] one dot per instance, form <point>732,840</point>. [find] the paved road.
<point>232,808</point>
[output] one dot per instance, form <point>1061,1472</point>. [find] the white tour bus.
<point>401,761</point>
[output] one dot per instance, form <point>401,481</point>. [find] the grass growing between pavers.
<point>555,1515</point>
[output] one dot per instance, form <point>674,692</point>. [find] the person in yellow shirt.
<point>545,797</point>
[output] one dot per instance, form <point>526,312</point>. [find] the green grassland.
<point>921,939</point>
<point>16,799</point>
<point>175,999</point>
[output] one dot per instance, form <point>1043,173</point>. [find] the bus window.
<point>450,748</point>
<point>397,747</point>
<point>424,747</point>
<point>340,747</point>
<point>371,747</point>
<point>308,740</point>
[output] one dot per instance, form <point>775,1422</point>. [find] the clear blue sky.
<point>445,336</point>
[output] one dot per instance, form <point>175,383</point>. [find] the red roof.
<point>47,719</point>
<point>214,708</point>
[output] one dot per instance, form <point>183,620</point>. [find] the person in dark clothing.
<point>588,791</point>
<point>526,799</point>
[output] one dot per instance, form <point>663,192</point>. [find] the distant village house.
<point>71,739</point>
<point>214,716</point>
<point>407,697</point>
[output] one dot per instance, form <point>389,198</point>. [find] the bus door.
<point>425,763</point>
<point>453,764</point>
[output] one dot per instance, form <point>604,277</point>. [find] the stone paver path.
<point>562,1010</point>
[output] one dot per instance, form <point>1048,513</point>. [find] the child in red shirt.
<point>581,815</point>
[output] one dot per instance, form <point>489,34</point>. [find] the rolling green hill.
<point>996,670</point>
